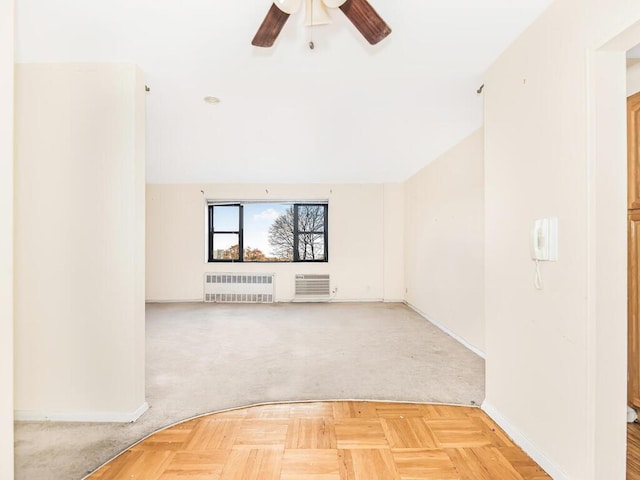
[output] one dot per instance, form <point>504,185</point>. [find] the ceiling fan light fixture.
<point>288,6</point>
<point>334,3</point>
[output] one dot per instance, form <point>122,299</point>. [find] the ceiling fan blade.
<point>366,20</point>
<point>270,28</point>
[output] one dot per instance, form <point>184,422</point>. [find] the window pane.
<point>310,246</point>
<point>268,232</point>
<point>311,218</point>
<point>225,246</point>
<point>226,218</point>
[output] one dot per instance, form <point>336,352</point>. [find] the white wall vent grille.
<point>312,286</point>
<point>239,287</point>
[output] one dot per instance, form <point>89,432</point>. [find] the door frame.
<point>606,327</point>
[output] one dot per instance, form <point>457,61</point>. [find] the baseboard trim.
<point>97,417</point>
<point>294,300</point>
<point>197,300</point>
<point>523,442</point>
<point>446,330</point>
<point>307,300</point>
<point>330,300</point>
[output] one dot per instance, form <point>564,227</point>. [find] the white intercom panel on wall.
<point>544,239</point>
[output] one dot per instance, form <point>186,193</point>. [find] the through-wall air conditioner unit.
<point>312,287</point>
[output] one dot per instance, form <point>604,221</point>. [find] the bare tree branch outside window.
<point>310,233</point>
<point>281,236</point>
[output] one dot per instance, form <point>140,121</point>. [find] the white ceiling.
<point>344,112</point>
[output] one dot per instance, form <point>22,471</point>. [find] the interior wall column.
<point>6,237</point>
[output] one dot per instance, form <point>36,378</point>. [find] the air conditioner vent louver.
<point>312,286</point>
<point>239,288</point>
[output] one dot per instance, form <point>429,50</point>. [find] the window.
<point>268,232</point>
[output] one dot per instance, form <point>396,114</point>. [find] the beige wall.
<point>6,238</point>
<point>79,251</point>
<point>554,145</point>
<point>633,79</point>
<point>393,223</point>
<point>444,238</point>
<point>361,264</point>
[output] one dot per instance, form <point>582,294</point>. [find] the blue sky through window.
<point>258,217</point>
<point>225,218</point>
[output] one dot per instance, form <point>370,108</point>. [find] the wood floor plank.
<point>330,441</point>
<point>314,464</point>
<point>482,464</point>
<point>443,412</point>
<point>150,465</point>
<point>199,436</point>
<point>493,431</point>
<point>467,465</point>
<point>412,432</point>
<point>313,432</point>
<point>253,464</point>
<point>112,469</point>
<point>459,432</point>
<point>424,464</point>
<point>354,410</point>
<point>196,465</point>
<point>633,451</point>
<point>262,432</point>
<point>345,464</point>
<point>220,434</point>
<point>371,464</point>
<point>360,433</point>
<point>523,464</point>
<point>169,439</point>
<point>497,465</point>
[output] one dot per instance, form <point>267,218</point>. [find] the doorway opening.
<point>633,262</point>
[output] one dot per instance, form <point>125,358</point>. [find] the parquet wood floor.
<point>633,451</point>
<point>329,441</point>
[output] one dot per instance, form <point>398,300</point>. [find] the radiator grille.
<point>238,288</point>
<point>312,285</point>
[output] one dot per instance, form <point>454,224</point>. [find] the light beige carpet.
<point>207,357</point>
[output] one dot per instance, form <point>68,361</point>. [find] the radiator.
<point>239,287</point>
<point>312,286</point>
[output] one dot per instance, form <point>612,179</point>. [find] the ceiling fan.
<point>360,12</point>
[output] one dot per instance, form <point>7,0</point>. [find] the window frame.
<point>296,232</point>
<point>239,232</point>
